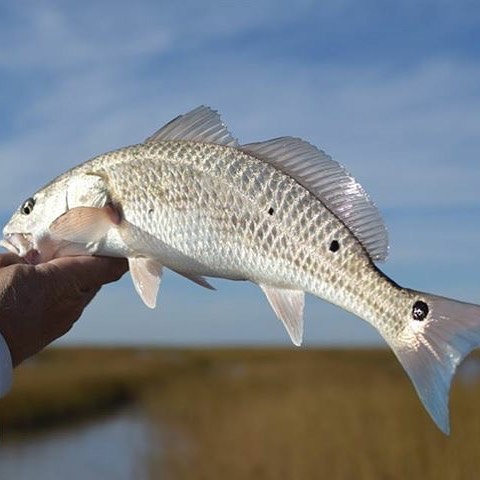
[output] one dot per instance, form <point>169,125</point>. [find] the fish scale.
<point>220,183</point>
<point>279,213</point>
<point>222,197</point>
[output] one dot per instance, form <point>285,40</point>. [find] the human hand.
<point>39,303</point>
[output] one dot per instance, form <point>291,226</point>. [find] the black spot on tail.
<point>419,310</point>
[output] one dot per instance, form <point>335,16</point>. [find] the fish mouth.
<point>21,244</point>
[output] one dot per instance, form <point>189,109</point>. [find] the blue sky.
<point>389,89</point>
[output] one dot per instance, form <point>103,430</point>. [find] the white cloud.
<point>411,138</point>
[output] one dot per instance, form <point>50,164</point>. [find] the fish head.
<point>28,229</point>
<point>28,233</point>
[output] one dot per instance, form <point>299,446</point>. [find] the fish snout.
<point>22,245</point>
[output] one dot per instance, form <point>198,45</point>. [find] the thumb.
<point>86,271</point>
<point>8,259</point>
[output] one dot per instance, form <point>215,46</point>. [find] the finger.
<point>69,313</point>
<point>7,259</point>
<point>87,272</point>
<point>88,296</point>
<point>63,318</point>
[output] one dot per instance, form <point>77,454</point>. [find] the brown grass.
<point>258,414</point>
<point>64,385</point>
<point>309,415</point>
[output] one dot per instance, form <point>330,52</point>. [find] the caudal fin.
<point>431,348</point>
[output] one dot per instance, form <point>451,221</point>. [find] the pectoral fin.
<point>146,274</point>
<point>85,224</point>
<point>288,305</point>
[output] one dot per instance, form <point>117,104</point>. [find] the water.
<point>109,448</point>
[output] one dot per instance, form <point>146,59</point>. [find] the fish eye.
<point>27,207</point>
<point>419,310</point>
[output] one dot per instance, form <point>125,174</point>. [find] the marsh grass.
<point>309,415</point>
<point>257,413</point>
<point>66,385</point>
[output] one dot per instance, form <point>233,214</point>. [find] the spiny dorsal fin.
<point>331,184</point>
<point>200,125</point>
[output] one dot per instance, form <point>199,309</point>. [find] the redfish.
<point>279,213</point>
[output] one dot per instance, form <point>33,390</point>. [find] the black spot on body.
<point>334,246</point>
<point>270,211</point>
<point>419,310</point>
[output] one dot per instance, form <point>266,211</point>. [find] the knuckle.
<point>18,287</point>
<point>16,273</point>
<point>10,259</point>
<point>62,287</point>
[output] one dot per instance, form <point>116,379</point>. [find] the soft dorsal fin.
<point>200,125</point>
<point>331,184</point>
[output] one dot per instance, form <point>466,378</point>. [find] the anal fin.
<point>288,306</point>
<point>146,274</point>
<point>198,279</point>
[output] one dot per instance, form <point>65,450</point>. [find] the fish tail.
<point>439,335</point>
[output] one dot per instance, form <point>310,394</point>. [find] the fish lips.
<point>21,244</point>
